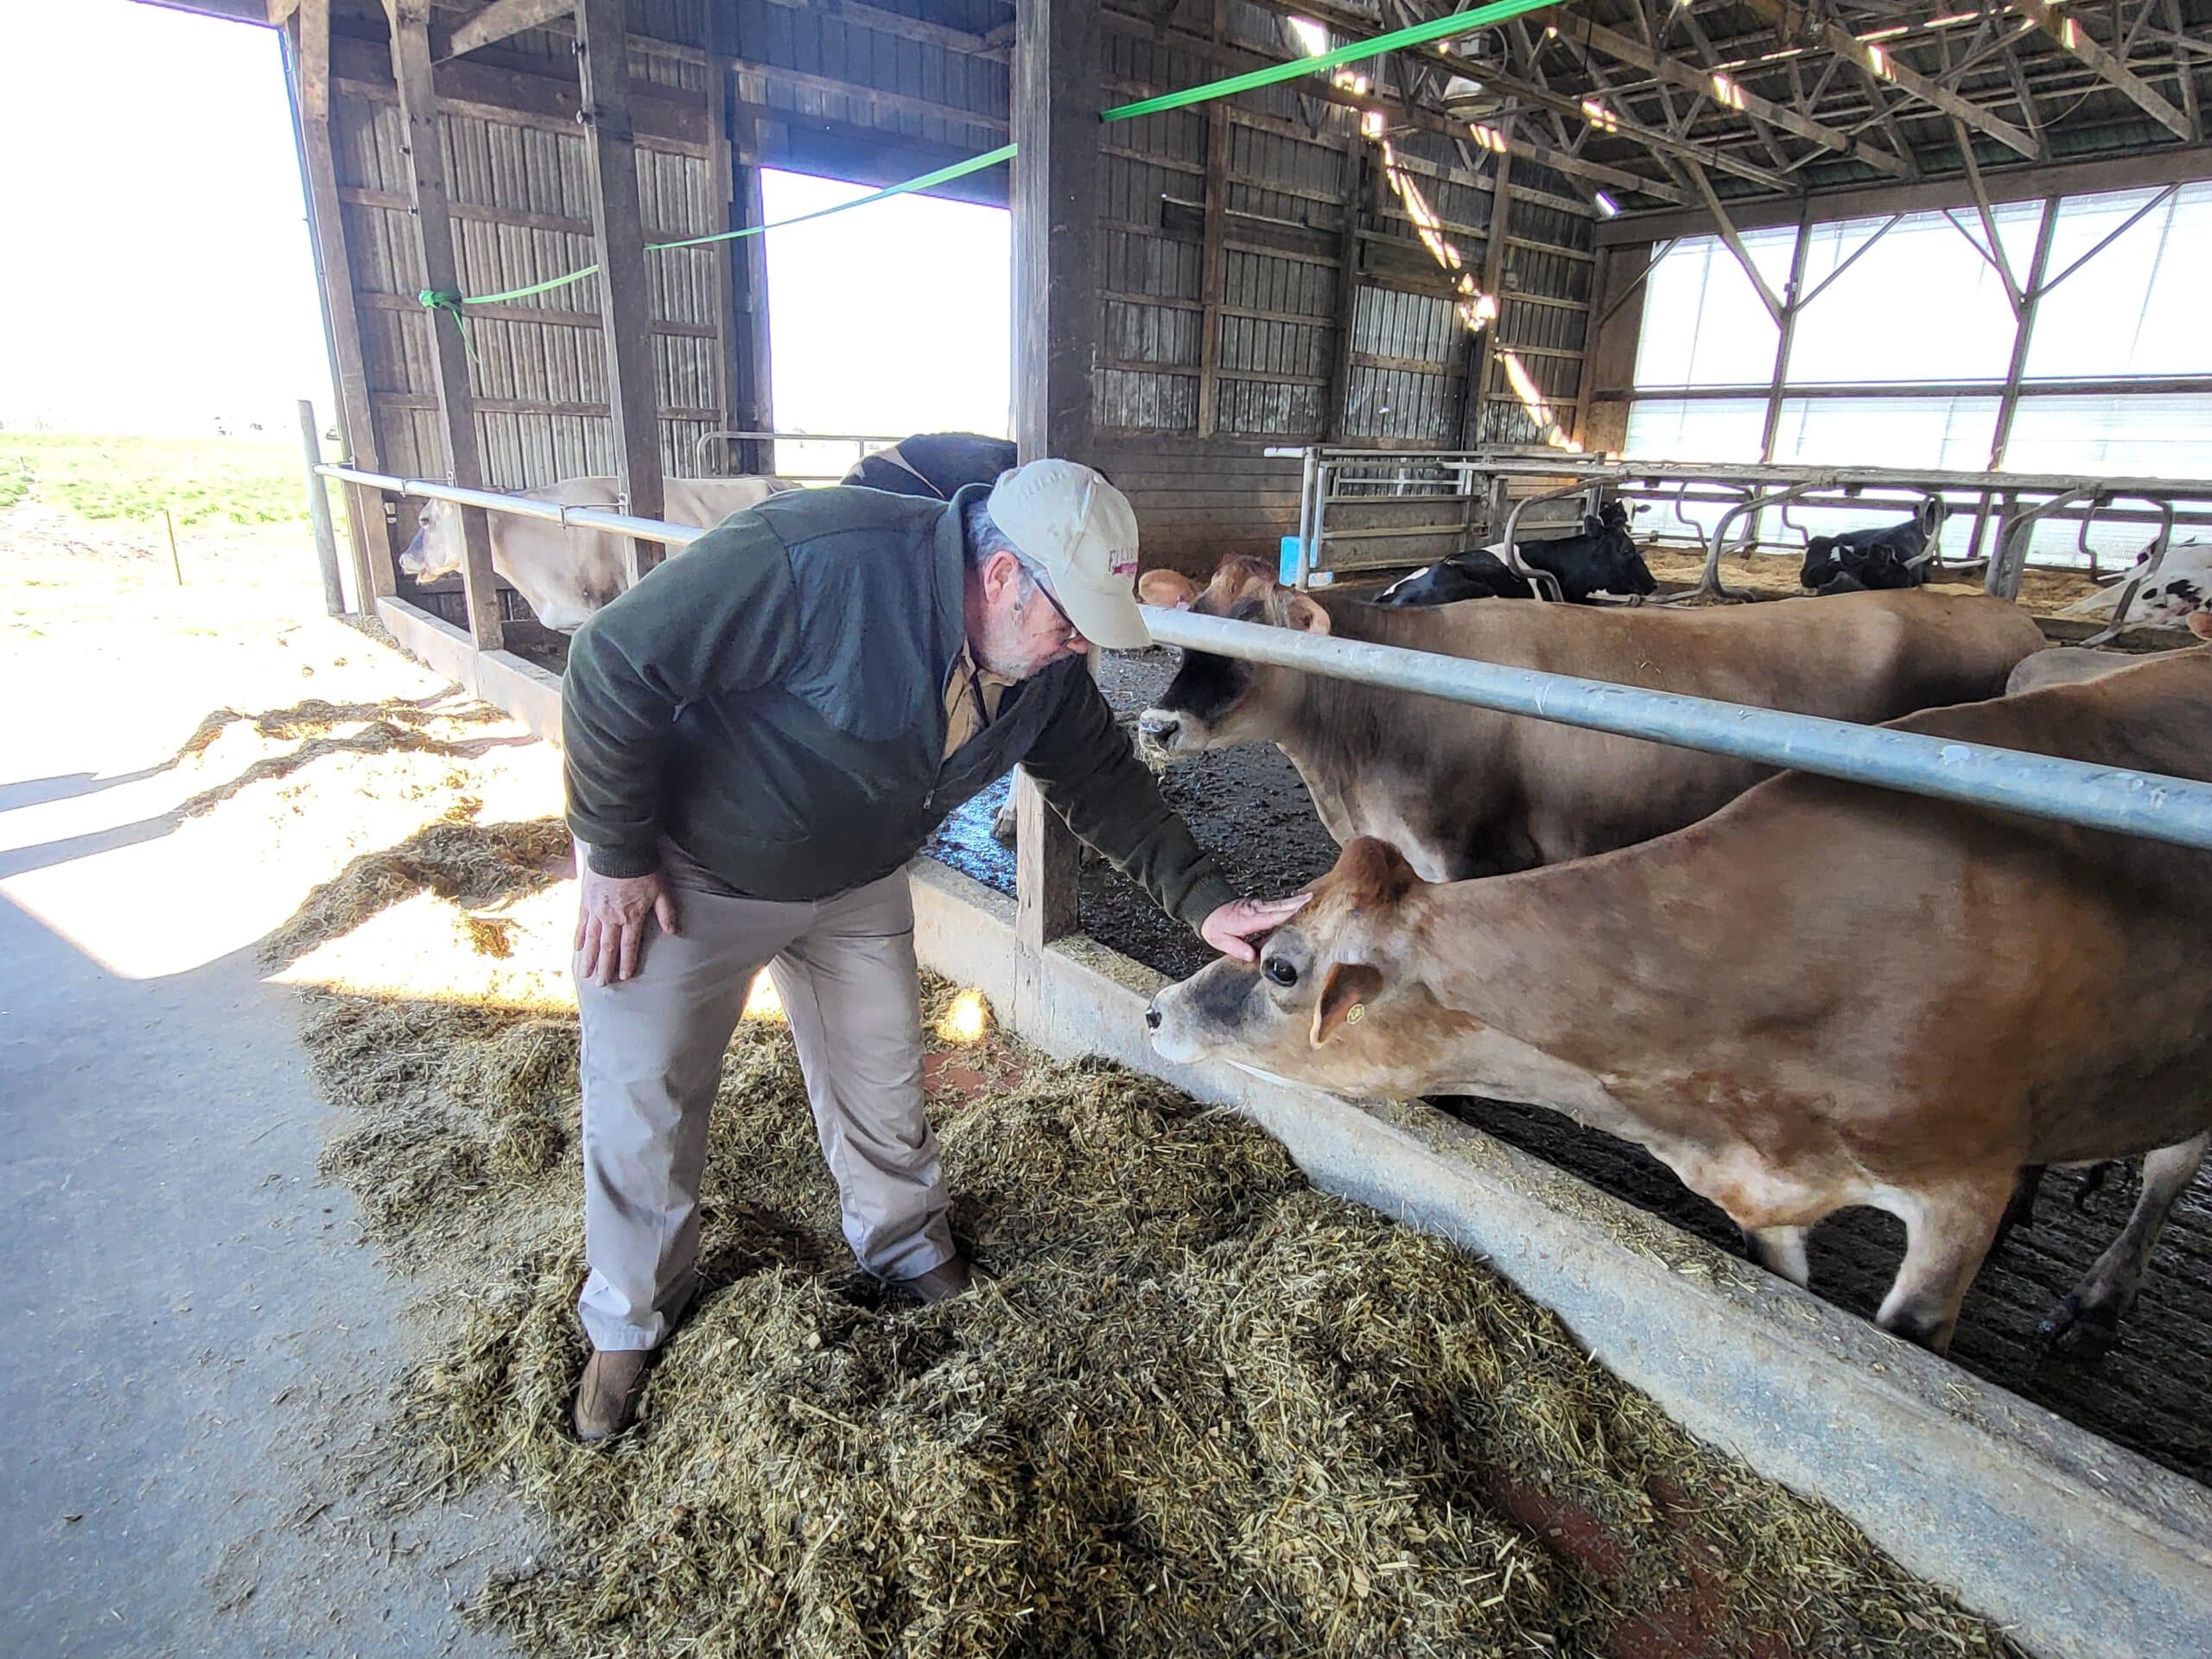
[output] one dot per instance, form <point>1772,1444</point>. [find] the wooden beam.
<point>740,268</point>
<point>308,39</point>
<point>1724,91</point>
<point>1401,112</point>
<point>426,184</point>
<point>618,238</point>
<point>1210,269</point>
<point>1612,122</point>
<point>1790,22</point>
<point>504,18</point>
<point>1483,351</point>
<point>883,21</point>
<point>1055,106</point>
<point>1726,227</point>
<point>2129,170</point>
<point>2075,40</point>
<point>1359,201</point>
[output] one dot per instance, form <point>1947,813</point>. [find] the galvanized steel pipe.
<point>2074,791</point>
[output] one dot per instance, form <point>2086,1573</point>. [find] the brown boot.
<point>946,1279</point>
<point>607,1399</point>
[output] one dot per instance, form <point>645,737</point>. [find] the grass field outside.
<point>201,480</point>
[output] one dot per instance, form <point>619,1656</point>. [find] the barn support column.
<point>740,268</point>
<point>625,299</point>
<point>1484,347</point>
<point>1055,100</point>
<point>307,38</point>
<point>450,351</point>
<point>1793,302</point>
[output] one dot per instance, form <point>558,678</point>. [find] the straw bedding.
<point>1196,1407</point>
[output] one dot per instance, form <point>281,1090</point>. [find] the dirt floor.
<point>1249,807</point>
<point>240,1436</point>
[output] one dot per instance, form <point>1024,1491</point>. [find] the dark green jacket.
<point>772,700</point>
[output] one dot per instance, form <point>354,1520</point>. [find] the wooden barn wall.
<point>1270,277</point>
<point>1535,376</point>
<point>519,178</point>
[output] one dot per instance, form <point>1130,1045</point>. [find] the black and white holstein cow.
<point>1891,556</point>
<point>2178,591</point>
<point>568,573</point>
<point>1600,558</point>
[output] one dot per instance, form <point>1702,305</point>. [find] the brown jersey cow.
<point>1462,791</point>
<point>1732,1005</point>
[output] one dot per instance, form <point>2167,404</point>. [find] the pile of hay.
<point>1196,1406</point>
<point>318,717</point>
<point>465,863</point>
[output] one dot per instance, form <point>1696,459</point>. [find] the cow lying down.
<point>1462,791</point>
<point>568,573</point>
<point>1889,556</point>
<point>1722,1000</point>
<point>1601,559</point>
<point>2179,591</point>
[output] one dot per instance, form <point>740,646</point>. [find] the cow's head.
<point>1335,999</point>
<point>1620,567</point>
<point>1215,701</point>
<point>435,550</point>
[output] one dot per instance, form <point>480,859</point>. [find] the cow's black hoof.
<point>2080,1332</point>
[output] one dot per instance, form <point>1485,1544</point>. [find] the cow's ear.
<point>1346,990</point>
<point>1371,874</point>
<point>1169,588</point>
<point>1300,612</point>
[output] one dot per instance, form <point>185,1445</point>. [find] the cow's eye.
<point>1279,971</point>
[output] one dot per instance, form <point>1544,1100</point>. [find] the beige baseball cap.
<point>1081,533</point>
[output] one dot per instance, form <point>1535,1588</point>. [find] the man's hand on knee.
<point>611,921</point>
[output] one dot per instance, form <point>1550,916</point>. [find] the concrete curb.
<point>2078,1547</point>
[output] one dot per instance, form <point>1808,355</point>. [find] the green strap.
<point>1459,22</point>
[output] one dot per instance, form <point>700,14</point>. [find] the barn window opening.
<point>893,320</point>
<point>1907,330</point>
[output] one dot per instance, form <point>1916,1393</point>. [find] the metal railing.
<point>2072,791</point>
<point>864,444</point>
<point>1366,510</point>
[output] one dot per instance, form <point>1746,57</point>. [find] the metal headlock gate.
<point>2072,791</point>
<point>1363,511</point>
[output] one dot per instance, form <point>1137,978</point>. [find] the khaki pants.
<point>652,1049</point>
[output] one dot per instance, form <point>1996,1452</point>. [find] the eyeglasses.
<point>1037,580</point>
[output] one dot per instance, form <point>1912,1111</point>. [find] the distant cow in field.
<point>933,464</point>
<point>1465,791</point>
<point>1600,558</point>
<point>567,574</point>
<point>1892,556</point>
<point>1724,1001</point>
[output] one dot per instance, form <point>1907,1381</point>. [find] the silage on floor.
<point>1196,1406</point>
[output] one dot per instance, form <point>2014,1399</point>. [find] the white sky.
<point>159,271</point>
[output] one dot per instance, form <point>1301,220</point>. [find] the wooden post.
<point>326,540</point>
<point>624,300</point>
<point>309,37</point>
<point>741,269</point>
<point>426,186</point>
<point>1793,301</point>
<point>1484,352</point>
<point>1055,108</point>
<point>1212,294</point>
<point>1360,188</point>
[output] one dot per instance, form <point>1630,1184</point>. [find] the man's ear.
<point>1169,588</point>
<point>1300,612</point>
<point>2199,623</point>
<point>1346,990</point>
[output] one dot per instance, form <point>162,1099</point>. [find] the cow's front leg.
<point>1947,1235</point>
<point>2087,1323</point>
<point>1781,1250</point>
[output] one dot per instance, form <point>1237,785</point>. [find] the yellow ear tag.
<point>1358,1011</point>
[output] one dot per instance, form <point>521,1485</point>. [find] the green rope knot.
<point>446,299</point>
